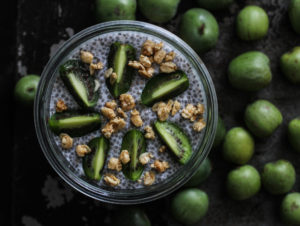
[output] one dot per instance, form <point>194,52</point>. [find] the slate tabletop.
<point>34,29</point>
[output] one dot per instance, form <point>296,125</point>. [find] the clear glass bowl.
<point>63,167</point>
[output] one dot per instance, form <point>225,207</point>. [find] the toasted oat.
<point>200,109</point>
<point>145,158</point>
<point>108,112</point>
<point>113,78</point>
<point>159,56</point>
<point>111,104</point>
<point>108,130</point>
<point>189,112</point>
<point>149,178</point>
<point>114,164</point>
<point>127,102</point>
<point>117,123</point>
<point>148,48</point>
<point>149,133</point>
<point>168,67</point>
<point>61,106</point>
<point>86,57</point>
<point>199,125</point>
<point>124,157</point>
<point>176,107</point>
<point>145,61</point>
<point>162,149</point>
<point>82,150</point>
<point>94,67</point>
<point>121,113</point>
<point>160,166</point>
<point>163,110</point>
<point>147,72</point>
<point>66,141</point>
<point>135,64</point>
<point>108,72</point>
<point>170,56</point>
<point>111,180</point>
<point>158,46</point>
<point>136,118</point>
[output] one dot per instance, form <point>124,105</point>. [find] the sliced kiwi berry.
<point>83,87</point>
<point>164,86</point>
<point>176,140</point>
<point>118,58</point>
<point>74,123</point>
<point>93,162</point>
<point>134,143</point>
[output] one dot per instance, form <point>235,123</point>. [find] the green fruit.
<point>238,146</point>
<point>93,162</point>
<point>250,71</point>
<point>294,133</point>
<point>130,216</point>
<point>189,206</point>
<point>176,140</point>
<point>294,14</point>
<point>220,134</point>
<point>290,65</point>
<point>201,174</point>
<point>199,28</point>
<point>83,87</point>
<point>243,182</point>
<point>74,123</point>
<point>278,177</point>
<point>25,89</point>
<point>214,4</point>
<point>164,86</point>
<point>107,10</point>
<point>134,143</point>
<point>118,58</point>
<point>158,11</point>
<point>262,118</point>
<point>252,23</point>
<point>290,209</point>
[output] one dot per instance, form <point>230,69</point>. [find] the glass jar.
<point>64,168</point>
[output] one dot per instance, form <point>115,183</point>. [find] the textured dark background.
<point>36,196</point>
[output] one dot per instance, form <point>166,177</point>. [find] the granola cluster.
<point>66,141</point>
<point>152,52</point>
<point>163,109</point>
<point>193,113</point>
<point>87,57</point>
<point>149,133</point>
<point>116,115</point>
<point>136,118</point>
<point>61,106</point>
<point>160,166</point>
<point>82,150</point>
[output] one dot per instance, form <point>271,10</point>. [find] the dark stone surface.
<point>40,197</point>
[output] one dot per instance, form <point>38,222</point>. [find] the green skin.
<point>201,174</point>
<point>290,64</point>
<point>107,10</point>
<point>252,23</point>
<point>189,206</point>
<point>243,182</point>
<point>262,118</point>
<point>199,28</point>
<point>25,89</point>
<point>250,71</point>
<point>221,131</point>
<point>158,11</point>
<point>294,133</point>
<point>290,209</point>
<point>294,14</point>
<point>214,4</point>
<point>278,177</point>
<point>132,216</point>
<point>238,146</point>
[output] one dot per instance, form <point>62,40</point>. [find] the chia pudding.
<point>100,47</point>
